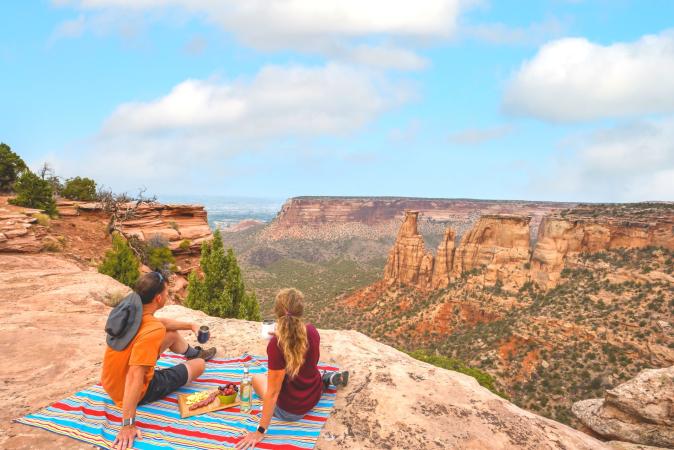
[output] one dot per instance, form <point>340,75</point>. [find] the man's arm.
<point>175,325</point>
<point>133,388</point>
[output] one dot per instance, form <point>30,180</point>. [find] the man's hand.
<point>249,441</point>
<point>125,437</point>
<point>195,328</point>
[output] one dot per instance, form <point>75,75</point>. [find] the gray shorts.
<point>286,416</point>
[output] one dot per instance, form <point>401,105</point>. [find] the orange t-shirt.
<point>143,350</point>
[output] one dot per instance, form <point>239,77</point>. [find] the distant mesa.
<point>241,226</point>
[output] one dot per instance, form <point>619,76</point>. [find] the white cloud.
<point>279,101</point>
<point>203,122</point>
<point>627,163</point>
<point>500,33</point>
<point>574,80</point>
<point>477,136</point>
<point>368,32</point>
<point>273,20</point>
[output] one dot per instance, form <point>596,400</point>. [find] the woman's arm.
<point>274,383</point>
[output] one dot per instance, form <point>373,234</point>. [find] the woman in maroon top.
<point>293,384</point>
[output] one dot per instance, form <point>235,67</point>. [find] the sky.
<point>567,100</point>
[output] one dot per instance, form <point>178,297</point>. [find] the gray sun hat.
<point>124,321</point>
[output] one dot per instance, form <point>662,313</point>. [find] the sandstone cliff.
<point>175,223</point>
<point>392,401</point>
<point>331,218</point>
<point>497,244</point>
<point>500,245</point>
<point>640,410</point>
<point>590,229</point>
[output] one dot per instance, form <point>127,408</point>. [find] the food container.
<point>227,399</point>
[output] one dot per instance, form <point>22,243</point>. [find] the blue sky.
<point>555,100</point>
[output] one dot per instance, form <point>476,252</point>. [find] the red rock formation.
<point>500,245</point>
<point>173,222</point>
<point>331,218</point>
<point>586,231</point>
<point>16,231</point>
<point>408,262</point>
<point>444,260</point>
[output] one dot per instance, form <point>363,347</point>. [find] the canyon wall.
<point>498,244</point>
<point>333,218</point>
<point>583,230</point>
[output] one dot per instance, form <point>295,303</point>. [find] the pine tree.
<point>120,263</point>
<point>221,291</point>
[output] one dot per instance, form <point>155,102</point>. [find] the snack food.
<point>227,393</point>
<point>207,400</point>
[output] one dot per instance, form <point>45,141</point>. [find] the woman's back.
<point>301,393</point>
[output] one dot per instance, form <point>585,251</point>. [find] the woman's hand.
<point>249,440</point>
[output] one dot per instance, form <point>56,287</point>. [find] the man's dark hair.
<point>149,285</point>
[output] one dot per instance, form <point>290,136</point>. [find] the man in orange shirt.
<point>135,340</point>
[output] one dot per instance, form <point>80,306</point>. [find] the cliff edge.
<point>52,342</point>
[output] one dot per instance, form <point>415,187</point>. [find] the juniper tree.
<point>120,262</point>
<point>220,291</point>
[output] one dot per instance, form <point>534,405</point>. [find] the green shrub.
<point>79,188</point>
<point>121,263</point>
<point>483,378</point>
<point>11,166</point>
<point>221,291</point>
<point>185,244</point>
<point>161,258</point>
<point>34,192</point>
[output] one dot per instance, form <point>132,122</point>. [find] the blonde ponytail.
<point>291,331</point>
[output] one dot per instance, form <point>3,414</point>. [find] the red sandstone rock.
<point>408,262</point>
<point>500,245</point>
<point>577,233</point>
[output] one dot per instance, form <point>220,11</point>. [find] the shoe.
<point>340,378</point>
<point>204,354</point>
<point>345,378</point>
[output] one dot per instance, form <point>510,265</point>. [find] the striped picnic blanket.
<point>91,416</point>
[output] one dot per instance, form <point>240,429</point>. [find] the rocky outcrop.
<point>408,262</point>
<point>500,245</point>
<point>597,228</point>
<point>444,260</point>
<point>639,411</point>
<point>16,231</point>
<point>184,227</point>
<point>392,401</point>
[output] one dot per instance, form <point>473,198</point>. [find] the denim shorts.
<point>164,382</point>
<point>286,416</point>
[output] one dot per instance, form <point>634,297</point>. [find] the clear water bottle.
<point>246,390</point>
